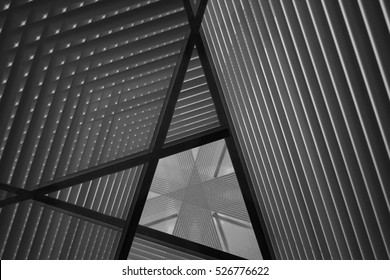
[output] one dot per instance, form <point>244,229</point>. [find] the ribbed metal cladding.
<point>194,111</point>
<point>111,195</point>
<point>48,234</point>
<point>142,249</point>
<point>307,86</point>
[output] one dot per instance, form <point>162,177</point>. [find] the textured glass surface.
<point>190,189</point>
<point>30,230</point>
<point>111,194</point>
<point>83,83</point>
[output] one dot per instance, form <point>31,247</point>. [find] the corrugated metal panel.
<point>83,83</point>
<point>49,234</point>
<point>194,111</point>
<point>187,192</point>
<point>111,195</point>
<point>142,249</point>
<point>307,85</point>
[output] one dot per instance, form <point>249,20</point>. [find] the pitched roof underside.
<point>84,89</point>
<point>97,95</point>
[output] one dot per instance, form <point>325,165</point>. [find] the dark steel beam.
<point>81,212</point>
<point>149,169</point>
<point>250,199</point>
<point>232,142</point>
<point>20,195</point>
<point>11,189</point>
<point>183,245</point>
<point>130,161</point>
<point>12,200</point>
<point>92,173</point>
<point>65,207</point>
<point>193,141</point>
<point>158,140</point>
<point>113,166</point>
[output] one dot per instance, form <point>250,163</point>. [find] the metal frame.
<point>183,245</point>
<point>151,157</point>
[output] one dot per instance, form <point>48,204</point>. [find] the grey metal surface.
<point>194,111</point>
<point>142,249</point>
<point>47,234</point>
<point>110,195</point>
<point>307,84</point>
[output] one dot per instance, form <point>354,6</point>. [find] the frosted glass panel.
<point>195,195</point>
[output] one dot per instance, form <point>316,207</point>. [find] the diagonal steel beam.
<point>143,232</point>
<point>67,208</point>
<point>161,131</point>
<point>121,164</point>
<point>183,245</point>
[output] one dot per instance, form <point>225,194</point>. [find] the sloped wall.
<point>307,84</point>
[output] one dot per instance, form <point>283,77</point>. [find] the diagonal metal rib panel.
<point>195,111</point>
<point>83,83</point>
<point>146,250</point>
<point>110,195</point>
<point>49,234</point>
<point>152,244</point>
<point>307,85</point>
